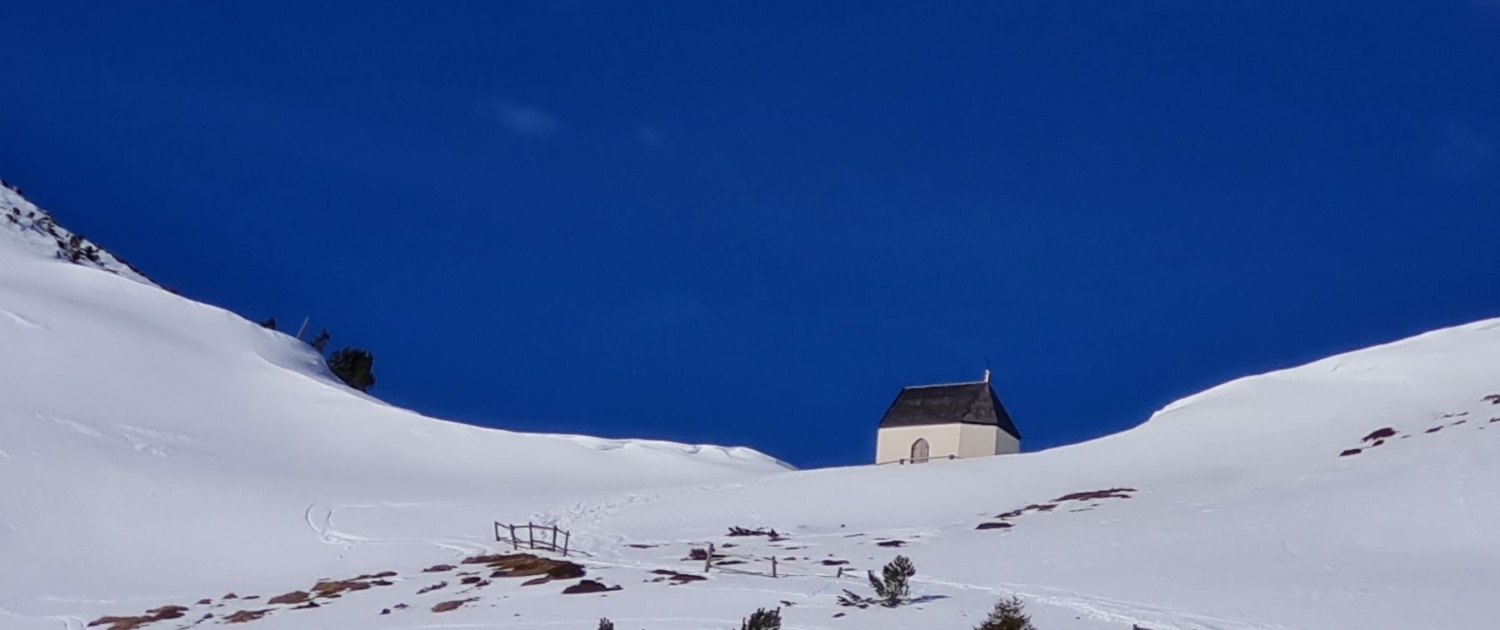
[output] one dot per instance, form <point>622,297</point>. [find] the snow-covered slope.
<point>36,230</point>
<point>145,437</point>
<point>155,451</point>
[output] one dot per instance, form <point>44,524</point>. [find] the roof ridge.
<point>946,384</point>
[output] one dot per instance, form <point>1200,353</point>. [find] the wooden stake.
<point>708,562</point>
<point>773,566</point>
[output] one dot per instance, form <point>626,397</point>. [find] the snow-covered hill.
<point>38,231</point>
<point>159,452</point>
<point>145,438</point>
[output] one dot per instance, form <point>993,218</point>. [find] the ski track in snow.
<point>697,622</point>
<point>1112,610</point>
<point>595,514</point>
<point>319,517</point>
<point>68,622</point>
<point>25,322</point>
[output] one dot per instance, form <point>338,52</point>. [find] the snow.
<point>35,229</point>
<point>156,451</point>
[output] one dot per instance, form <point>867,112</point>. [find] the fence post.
<point>531,535</point>
<point>515,543</point>
<point>566,537</point>
<point>773,566</point>
<point>554,536</point>
<point>708,561</point>
<point>841,573</point>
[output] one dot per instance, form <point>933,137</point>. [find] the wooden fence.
<point>714,556</point>
<point>547,541</point>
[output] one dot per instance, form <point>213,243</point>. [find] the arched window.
<point>919,451</point>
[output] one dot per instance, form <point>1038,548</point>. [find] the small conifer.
<point>1009,614</point>
<point>353,366</point>
<point>893,587</point>
<point>320,342</point>
<point>763,619</point>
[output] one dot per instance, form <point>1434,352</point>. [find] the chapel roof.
<point>956,403</point>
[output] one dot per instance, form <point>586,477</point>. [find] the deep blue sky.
<point>752,223</point>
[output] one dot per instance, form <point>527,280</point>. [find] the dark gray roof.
<point>966,403</point>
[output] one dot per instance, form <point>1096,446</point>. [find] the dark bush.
<point>355,367</point>
<point>1009,614</point>
<point>321,341</point>
<point>892,589</point>
<point>763,619</point>
<point>269,324</point>
<point>606,624</point>
<point>759,531</point>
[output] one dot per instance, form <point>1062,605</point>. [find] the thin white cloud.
<point>1463,152</point>
<point>649,134</point>
<point>526,120</point>
<point>652,138</point>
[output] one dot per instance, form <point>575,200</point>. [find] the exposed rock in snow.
<point>39,232</point>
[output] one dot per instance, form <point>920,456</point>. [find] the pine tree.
<point>269,324</point>
<point>763,619</point>
<point>894,588</point>
<point>321,341</point>
<point>1009,614</point>
<point>891,589</point>
<point>353,366</point>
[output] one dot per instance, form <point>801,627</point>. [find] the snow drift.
<point>155,451</point>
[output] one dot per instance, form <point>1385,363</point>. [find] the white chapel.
<point>953,421</point>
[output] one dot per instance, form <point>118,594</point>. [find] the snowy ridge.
<point>1365,359</point>
<point>40,233</point>
<point>159,452</point>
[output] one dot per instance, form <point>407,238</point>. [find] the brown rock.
<point>294,597</point>
<point>588,586</point>
<point>452,605</point>
<point>246,615</point>
<point>131,623</point>
<point>1112,493</point>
